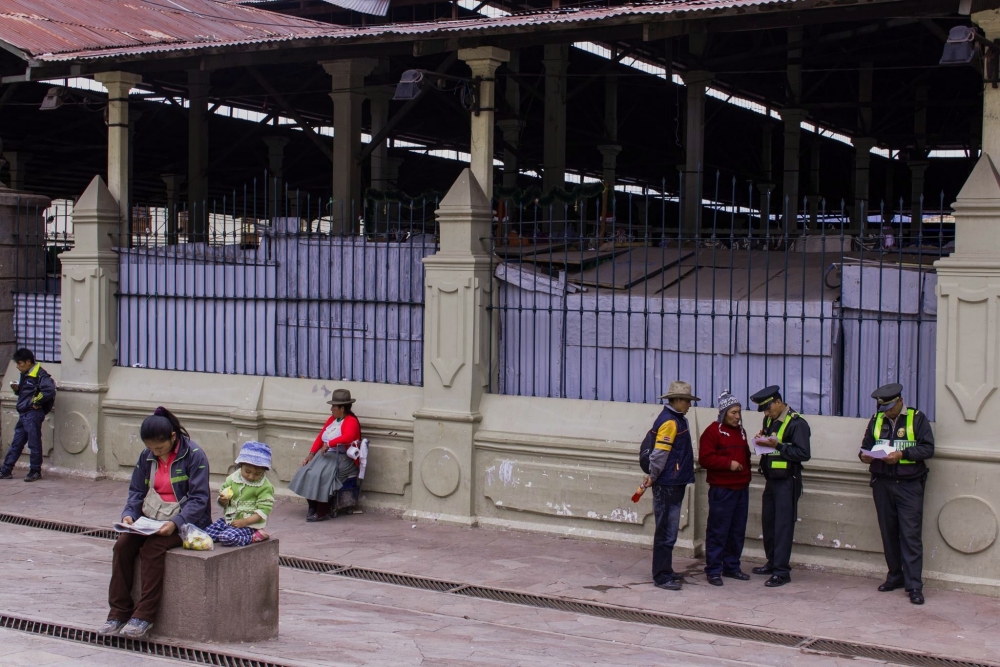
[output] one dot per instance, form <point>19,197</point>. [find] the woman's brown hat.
<point>341,397</point>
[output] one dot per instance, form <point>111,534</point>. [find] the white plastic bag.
<point>364,458</point>
<point>196,539</point>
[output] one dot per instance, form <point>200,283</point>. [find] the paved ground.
<point>333,620</point>
<point>21,650</point>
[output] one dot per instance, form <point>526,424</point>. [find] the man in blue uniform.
<point>36,394</point>
<point>897,441</point>
<point>789,434</point>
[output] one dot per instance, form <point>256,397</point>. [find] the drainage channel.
<point>663,619</point>
<point>144,647</point>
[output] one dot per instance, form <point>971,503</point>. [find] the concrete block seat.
<point>229,594</point>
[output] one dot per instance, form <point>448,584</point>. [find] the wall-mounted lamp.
<point>414,81</point>
<point>53,98</point>
<point>965,46</point>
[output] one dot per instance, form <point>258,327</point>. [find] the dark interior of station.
<point>917,106</point>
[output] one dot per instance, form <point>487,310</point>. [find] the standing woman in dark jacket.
<point>169,483</point>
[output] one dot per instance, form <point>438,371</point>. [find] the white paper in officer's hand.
<point>876,452</point>
<point>762,446</point>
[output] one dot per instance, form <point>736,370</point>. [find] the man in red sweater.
<point>725,454</point>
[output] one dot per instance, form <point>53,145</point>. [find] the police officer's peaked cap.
<point>887,395</point>
<point>764,397</point>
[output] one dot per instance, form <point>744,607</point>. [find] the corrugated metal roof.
<point>373,7</point>
<point>45,27</point>
<point>271,28</point>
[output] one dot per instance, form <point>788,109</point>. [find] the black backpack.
<point>645,449</point>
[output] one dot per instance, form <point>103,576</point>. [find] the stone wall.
<point>561,466</point>
<point>451,452</point>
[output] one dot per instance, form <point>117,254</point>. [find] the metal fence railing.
<point>596,295</point>
<point>299,288</point>
<point>829,306</point>
<point>39,236</point>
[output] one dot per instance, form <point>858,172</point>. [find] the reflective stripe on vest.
<point>780,435</point>
<point>910,438</point>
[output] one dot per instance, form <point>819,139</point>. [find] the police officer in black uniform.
<point>898,485</point>
<point>789,434</point>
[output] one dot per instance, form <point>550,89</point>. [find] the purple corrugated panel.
<point>40,27</point>
<point>235,29</point>
<point>373,7</point>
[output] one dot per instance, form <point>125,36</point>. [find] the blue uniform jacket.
<point>189,478</point>
<point>36,390</point>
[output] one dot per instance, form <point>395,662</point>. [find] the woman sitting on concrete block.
<point>170,484</point>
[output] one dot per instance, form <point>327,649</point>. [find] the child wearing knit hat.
<point>248,498</point>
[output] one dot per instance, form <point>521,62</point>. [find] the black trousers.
<point>900,508</point>
<point>779,512</point>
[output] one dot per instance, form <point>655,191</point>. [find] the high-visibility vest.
<point>900,445</point>
<point>781,436</point>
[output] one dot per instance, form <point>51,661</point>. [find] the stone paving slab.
<point>329,620</point>
<point>816,603</point>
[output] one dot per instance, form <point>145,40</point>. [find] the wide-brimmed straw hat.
<point>341,397</point>
<point>680,389</point>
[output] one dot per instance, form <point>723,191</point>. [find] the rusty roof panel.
<point>373,7</point>
<point>268,28</point>
<point>46,27</point>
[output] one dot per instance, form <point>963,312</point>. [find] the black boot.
<point>322,511</point>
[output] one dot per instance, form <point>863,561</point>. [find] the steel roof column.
<point>198,86</point>
<point>863,144</point>
<point>17,163</point>
<point>696,81</point>
<point>483,62</point>
<point>815,196</point>
<point>119,84</point>
<point>792,117</point>
<point>379,103</point>
<point>918,162</point>
<point>172,183</point>
<point>556,63</point>
<point>989,21</point>
<point>511,125</point>
<point>276,184</point>
<point>348,79</point>
<point>862,172</point>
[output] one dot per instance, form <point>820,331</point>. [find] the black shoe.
<point>33,477</point>
<point>742,576</point>
<point>916,597</point>
<point>670,585</point>
<point>311,515</point>
<point>888,586</point>
<point>777,580</point>
<point>715,580</point>
<point>763,569</point>
<point>6,475</point>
